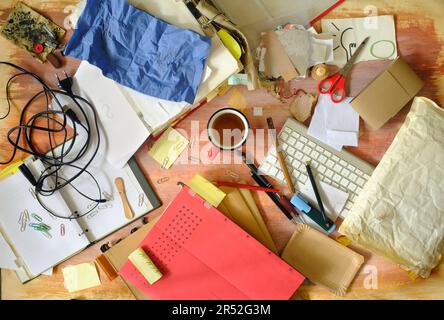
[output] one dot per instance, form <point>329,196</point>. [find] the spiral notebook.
<point>204,255</point>
<point>31,252</point>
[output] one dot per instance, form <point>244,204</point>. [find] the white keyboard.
<point>338,169</point>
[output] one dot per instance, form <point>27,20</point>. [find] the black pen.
<point>316,191</point>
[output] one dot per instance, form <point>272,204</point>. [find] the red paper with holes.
<point>203,255</point>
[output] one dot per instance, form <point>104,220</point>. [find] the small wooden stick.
<point>120,184</point>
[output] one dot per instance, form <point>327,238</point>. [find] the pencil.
<point>245,186</point>
<point>281,157</point>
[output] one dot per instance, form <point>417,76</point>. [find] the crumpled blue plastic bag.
<point>139,50</point>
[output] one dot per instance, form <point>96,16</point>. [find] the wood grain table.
<point>420,36</point>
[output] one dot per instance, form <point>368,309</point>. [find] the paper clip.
<point>47,234</point>
<point>163,180</point>
<point>106,205</point>
<point>37,217</point>
<point>62,230</point>
<point>23,220</point>
<point>33,193</point>
<point>107,196</point>
<point>141,199</point>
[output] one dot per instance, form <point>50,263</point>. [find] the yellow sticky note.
<point>207,190</point>
<point>145,265</point>
<point>81,276</point>
<point>168,148</point>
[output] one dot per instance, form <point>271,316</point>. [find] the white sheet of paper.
<point>7,256</point>
<point>325,42</point>
<point>341,121</point>
<point>122,130</point>
<point>317,128</point>
<point>38,252</point>
<point>349,34</point>
<point>333,201</point>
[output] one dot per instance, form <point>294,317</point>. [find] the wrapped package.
<point>399,214</point>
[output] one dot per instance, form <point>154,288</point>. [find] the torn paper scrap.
<point>168,148</point>
<point>349,34</point>
<point>302,106</point>
<point>81,276</point>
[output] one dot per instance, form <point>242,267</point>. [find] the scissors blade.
<point>355,56</point>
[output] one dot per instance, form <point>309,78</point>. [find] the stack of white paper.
<point>335,124</point>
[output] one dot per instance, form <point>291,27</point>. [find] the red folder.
<point>204,255</point>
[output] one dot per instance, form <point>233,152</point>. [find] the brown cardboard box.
<point>383,98</point>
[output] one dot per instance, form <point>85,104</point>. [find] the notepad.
<point>81,276</point>
<point>204,255</point>
<point>168,148</point>
<point>207,190</point>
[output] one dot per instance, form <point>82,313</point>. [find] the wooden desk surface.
<point>420,35</point>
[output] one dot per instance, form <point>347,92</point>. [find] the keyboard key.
<point>299,155</point>
<point>284,146</point>
<point>291,141</point>
<point>299,145</point>
<point>322,159</point>
<point>342,163</point>
<point>319,149</point>
<point>287,130</point>
<point>353,177</point>
<point>306,159</point>
<point>366,177</point>
<point>283,137</point>
<point>327,154</point>
<point>304,140</point>
<point>303,178</point>
<point>360,182</point>
<point>345,172</point>
<point>348,205</point>
<point>351,168</point>
<point>311,144</point>
<point>335,158</point>
<point>291,150</point>
<point>295,135</point>
<point>307,150</point>
<point>265,167</point>
<point>344,182</point>
<point>273,171</point>
<point>352,187</point>
<point>337,177</point>
<point>321,169</point>
<point>296,174</point>
<point>314,164</point>
<point>314,154</point>
<point>337,168</point>
<point>329,173</point>
<point>296,163</point>
<point>330,164</point>
<point>359,172</point>
<point>327,181</point>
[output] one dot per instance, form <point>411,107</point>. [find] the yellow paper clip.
<point>11,169</point>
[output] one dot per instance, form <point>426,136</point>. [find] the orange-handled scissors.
<point>335,85</point>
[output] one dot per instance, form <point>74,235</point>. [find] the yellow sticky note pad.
<point>81,276</point>
<point>168,148</point>
<point>207,190</point>
<point>145,265</point>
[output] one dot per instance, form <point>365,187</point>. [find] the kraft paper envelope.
<point>387,94</point>
<point>240,207</point>
<point>322,260</point>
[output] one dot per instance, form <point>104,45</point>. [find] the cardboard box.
<point>383,98</point>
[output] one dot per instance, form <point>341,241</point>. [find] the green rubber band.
<point>372,49</point>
